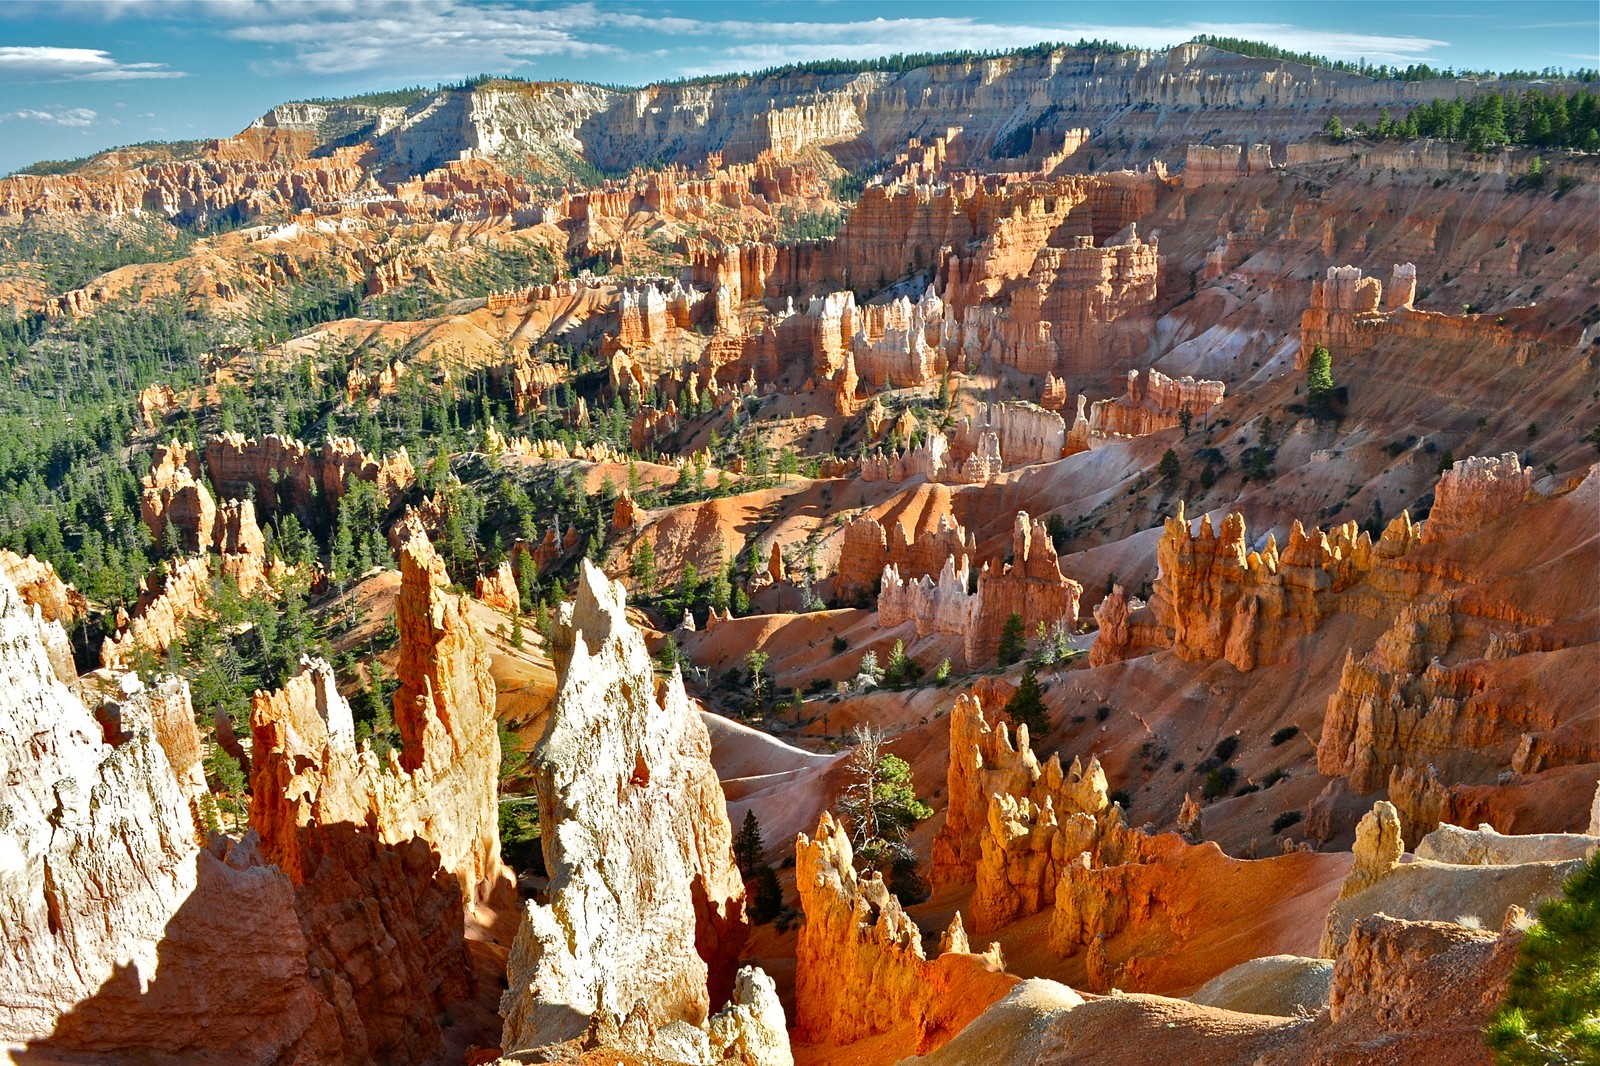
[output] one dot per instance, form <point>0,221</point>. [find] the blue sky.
<point>81,76</point>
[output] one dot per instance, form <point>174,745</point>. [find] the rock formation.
<point>646,911</point>
<point>57,606</point>
<point>119,927</point>
<point>1153,403</point>
<point>1473,493</point>
<point>498,588</point>
<point>860,967</point>
<point>1218,599</point>
<point>280,472</point>
<point>388,860</point>
<point>1426,890</point>
<point>1011,822</point>
<point>870,544</point>
<point>1031,585</point>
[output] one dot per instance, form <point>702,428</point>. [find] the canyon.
<point>800,568</point>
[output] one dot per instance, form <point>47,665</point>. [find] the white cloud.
<point>75,117</point>
<point>423,38</point>
<point>20,63</point>
<point>431,37</point>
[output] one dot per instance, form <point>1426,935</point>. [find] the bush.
<point>840,645</point>
<point>1285,734</point>
<point>1285,820</point>
<point>1226,747</point>
<point>1102,712</point>
<point>1220,781</point>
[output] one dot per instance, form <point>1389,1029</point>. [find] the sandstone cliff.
<point>860,966</point>
<point>646,912</point>
<point>119,927</point>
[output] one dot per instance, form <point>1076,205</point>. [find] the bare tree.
<point>858,802</point>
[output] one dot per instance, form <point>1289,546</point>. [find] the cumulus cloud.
<point>21,63</point>
<point>73,117</point>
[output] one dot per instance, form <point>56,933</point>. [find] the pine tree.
<point>766,895</point>
<point>1551,1012</point>
<point>1026,705</point>
<point>1319,378</point>
<point>748,845</point>
<point>1013,642</point>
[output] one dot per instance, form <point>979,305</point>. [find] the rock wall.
<point>646,907</point>
<point>1032,586</point>
<point>869,546</point>
<point>1345,317</point>
<point>119,928</point>
<point>1153,403</point>
<point>1217,599</point>
<point>1474,492</point>
<point>860,968</point>
<point>281,473</point>
<point>1026,433</point>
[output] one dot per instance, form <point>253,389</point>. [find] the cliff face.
<point>119,927</point>
<point>646,911</point>
<point>1218,599</point>
<point>388,860</point>
<point>860,966</point>
<point>1012,823</point>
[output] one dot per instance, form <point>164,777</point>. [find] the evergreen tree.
<point>1319,380</point>
<point>1026,705</point>
<point>1551,1012</point>
<point>1013,641</point>
<point>1169,467</point>
<point>643,566</point>
<point>766,895</point>
<point>748,845</point>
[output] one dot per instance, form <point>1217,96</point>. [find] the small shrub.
<point>1285,734</point>
<point>1102,712</point>
<point>1285,820</point>
<point>1226,747</point>
<point>1219,782</point>
<point>840,645</point>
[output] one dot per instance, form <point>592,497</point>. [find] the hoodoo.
<point>1075,553</point>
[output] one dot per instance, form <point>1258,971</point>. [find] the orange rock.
<point>498,589</point>
<point>1473,493</point>
<point>860,970</point>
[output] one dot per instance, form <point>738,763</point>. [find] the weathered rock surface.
<point>1219,599</point>
<point>1429,891</point>
<point>646,911</point>
<point>860,967</point>
<point>1485,847</point>
<point>1473,493</point>
<point>1282,985</point>
<point>388,860</point>
<point>120,930</point>
<point>57,606</point>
